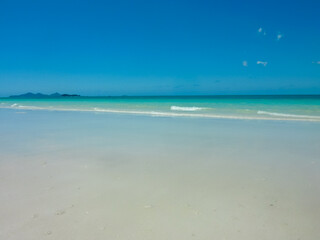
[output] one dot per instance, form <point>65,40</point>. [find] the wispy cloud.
<point>245,63</point>
<point>262,63</point>
<point>316,62</point>
<point>279,36</point>
<point>260,30</point>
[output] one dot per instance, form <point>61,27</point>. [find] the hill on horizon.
<point>41,95</point>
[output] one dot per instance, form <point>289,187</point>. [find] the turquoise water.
<point>303,108</point>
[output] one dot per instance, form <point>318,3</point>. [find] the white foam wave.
<point>287,115</point>
<point>32,107</point>
<point>276,116</point>
<point>188,109</point>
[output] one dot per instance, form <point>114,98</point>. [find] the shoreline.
<point>166,114</point>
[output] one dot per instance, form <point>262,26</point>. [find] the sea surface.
<point>205,168</point>
<point>301,107</point>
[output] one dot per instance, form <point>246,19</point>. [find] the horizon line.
<point>178,95</point>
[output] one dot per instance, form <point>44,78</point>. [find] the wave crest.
<point>189,109</point>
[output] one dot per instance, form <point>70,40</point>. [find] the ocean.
<point>234,168</point>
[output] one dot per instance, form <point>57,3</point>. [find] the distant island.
<point>40,95</point>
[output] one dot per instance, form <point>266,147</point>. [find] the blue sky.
<point>160,47</point>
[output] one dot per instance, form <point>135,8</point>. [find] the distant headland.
<point>40,95</point>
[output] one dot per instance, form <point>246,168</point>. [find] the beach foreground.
<point>85,175</point>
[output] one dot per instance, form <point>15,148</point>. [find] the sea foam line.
<point>287,115</point>
<point>162,114</point>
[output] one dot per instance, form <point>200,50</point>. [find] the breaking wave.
<point>187,109</point>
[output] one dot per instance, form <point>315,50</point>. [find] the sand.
<point>87,176</point>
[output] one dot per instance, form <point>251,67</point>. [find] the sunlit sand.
<point>108,176</point>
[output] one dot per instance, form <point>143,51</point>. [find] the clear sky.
<point>160,47</point>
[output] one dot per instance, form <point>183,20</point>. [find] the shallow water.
<point>299,108</point>
<point>95,175</point>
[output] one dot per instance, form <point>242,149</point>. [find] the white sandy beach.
<point>66,175</point>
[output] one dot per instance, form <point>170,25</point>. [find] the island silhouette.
<point>41,95</point>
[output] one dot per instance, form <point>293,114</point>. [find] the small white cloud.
<point>261,31</point>
<point>316,62</point>
<point>279,36</point>
<point>262,63</point>
<point>245,63</point>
